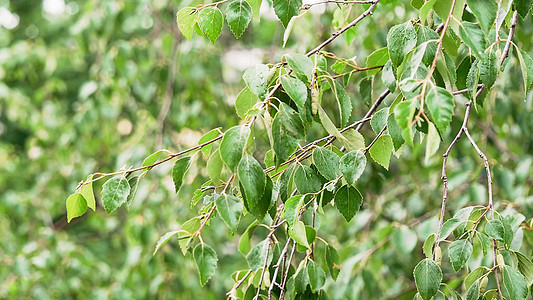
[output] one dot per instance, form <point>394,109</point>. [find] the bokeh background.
<point>98,85</point>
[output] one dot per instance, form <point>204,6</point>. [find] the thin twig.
<point>308,6</point>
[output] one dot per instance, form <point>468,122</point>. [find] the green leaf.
<point>181,167</point>
<point>298,234</point>
<point>381,150</point>
<point>375,59</point>
<point>352,165</point>
<point>405,239</point>
<point>526,65</point>
<point>488,68</point>
<point>472,36</point>
<point>256,79</point>
<point>238,16</point>
<point>401,39</point>
<point>404,113</point>
<point>301,65</point>
<point>133,181</point>
<point>387,77</point>
<point>440,104</point>
<point>348,200</point>
<point>256,7</point>
<point>433,141</point>
<point>186,18</point>
<point>206,262</point>
<point>317,276</point>
<point>232,145</point>
<point>286,9</point>
<point>429,244</point>
<point>459,252</point>
<point>327,163</point>
<point>473,276</point>
<point>292,209</point>
<point>214,167</point>
<point>253,183</point>
<point>87,192</point>
<point>344,102</point>
<point>395,132</point>
<point>499,230</point>
<point>211,21</point>
<point>366,89</point>
<point>212,134</point>
<point>514,284</point>
<point>185,233</point>
<point>152,158</point>
<point>295,89</point>
<point>230,209</point>
<point>428,277</point>
<point>164,239</point>
<point>115,193</point>
<point>76,206</point>
<point>379,120</point>
<point>426,8</point>
<point>246,238</point>
<point>352,140</point>
<point>287,127</point>
<point>448,227</point>
<point>473,291</point>
<point>306,180</point>
<point>245,101</point>
<point>523,7</point>
<point>257,256</point>
<point>525,266</point>
<point>485,11</point>
<point>333,261</point>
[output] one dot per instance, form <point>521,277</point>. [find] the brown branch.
<point>308,6</point>
<point>505,52</point>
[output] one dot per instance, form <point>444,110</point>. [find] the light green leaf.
<point>246,238</point>
<point>238,16</point>
<point>115,193</point>
<point>295,89</point>
<point>301,65</point>
<point>381,150</point>
<point>253,183</point>
<point>428,277</point>
<point>211,21</point>
<point>256,79</point>
<point>214,167</point>
<point>426,8</point>
<point>306,180</point>
<point>256,257</point>
<point>232,145</point>
<point>185,233</point>
<point>473,276</point>
<point>401,39</point>
<point>433,141</point>
<point>286,9</point>
<point>404,113</point>
<point>499,230</point>
<point>206,262</point>
<point>459,252</point>
<point>333,261</point>
<point>526,65</point>
<point>448,227</point>
<point>133,181</point>
<point>375,59</point>
<point>181,167</point>
<point>472,36</point>
<point>488,68</point>
<point>440,104</point>
<point>245,101</point>
<point>256,8</point>
<point>352,140</point>
<point>429,244</point>
<point>387,77</point>
<point>186,18</point>
<point>379,120</point>
<point>317,276</point>
<point>87,192</point>
<point>152,158</point>
<point>525,266</point>
<point>298,234</point>
<point>405,239</point>
<point>326,162</point>
<point>514,284</point>
<point>344,102</point>
<point>292,209</point>
<point>76,206</point>
<point>230,209</point>
<point>485,11</point>
<point>164,239</point>
<point>352,165</point>
<point>348,200</point>
<point>212,134</point>
<point>473,291</point>
<point>395,132</point>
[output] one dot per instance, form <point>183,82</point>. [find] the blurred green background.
<point>98,85</point>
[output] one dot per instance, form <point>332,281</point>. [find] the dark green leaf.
<point>379,120</point>
<point>246,238</point>
<point>317,276</point>
<point>181,167</point>
<point>440,104</point>
<point>352,165</point>
<point>301,65</point>
<point>115,193</point>
<point>488,69</point>
<point>292,209</point>
<point>211,21</point>
<point>333,261</point>
<point>395,132</point>
<point>214,167</point>
<point>523,7</point>
<point>499,230</point>
<point>348,200</point>
<point>525,266</point>
<point>472,36</point>
<point>401,39</point>
<point>232,145</point>
<point>253,183</point>
<point>258,254</point>
<point>295,89</point>
<point>459,252</point>
<point>404,113</point>
<point>526,65</point>
<point>306,180</point>
<point>286,9</point>
<point>206,262</point>
<point>428,277</point>
<point>230,209</point>
<point>134,184</point>
<point>238,16</point>
<point>514,284</point>
<point>485,11</point>
<point>76,206</point>
<point>327,163</point>
<point>344,102</point>
<point>473,291</point>
<point>473,276</point>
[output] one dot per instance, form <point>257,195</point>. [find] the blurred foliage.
<point>87,90</point>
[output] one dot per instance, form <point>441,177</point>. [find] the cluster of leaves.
<point>452,46</point>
